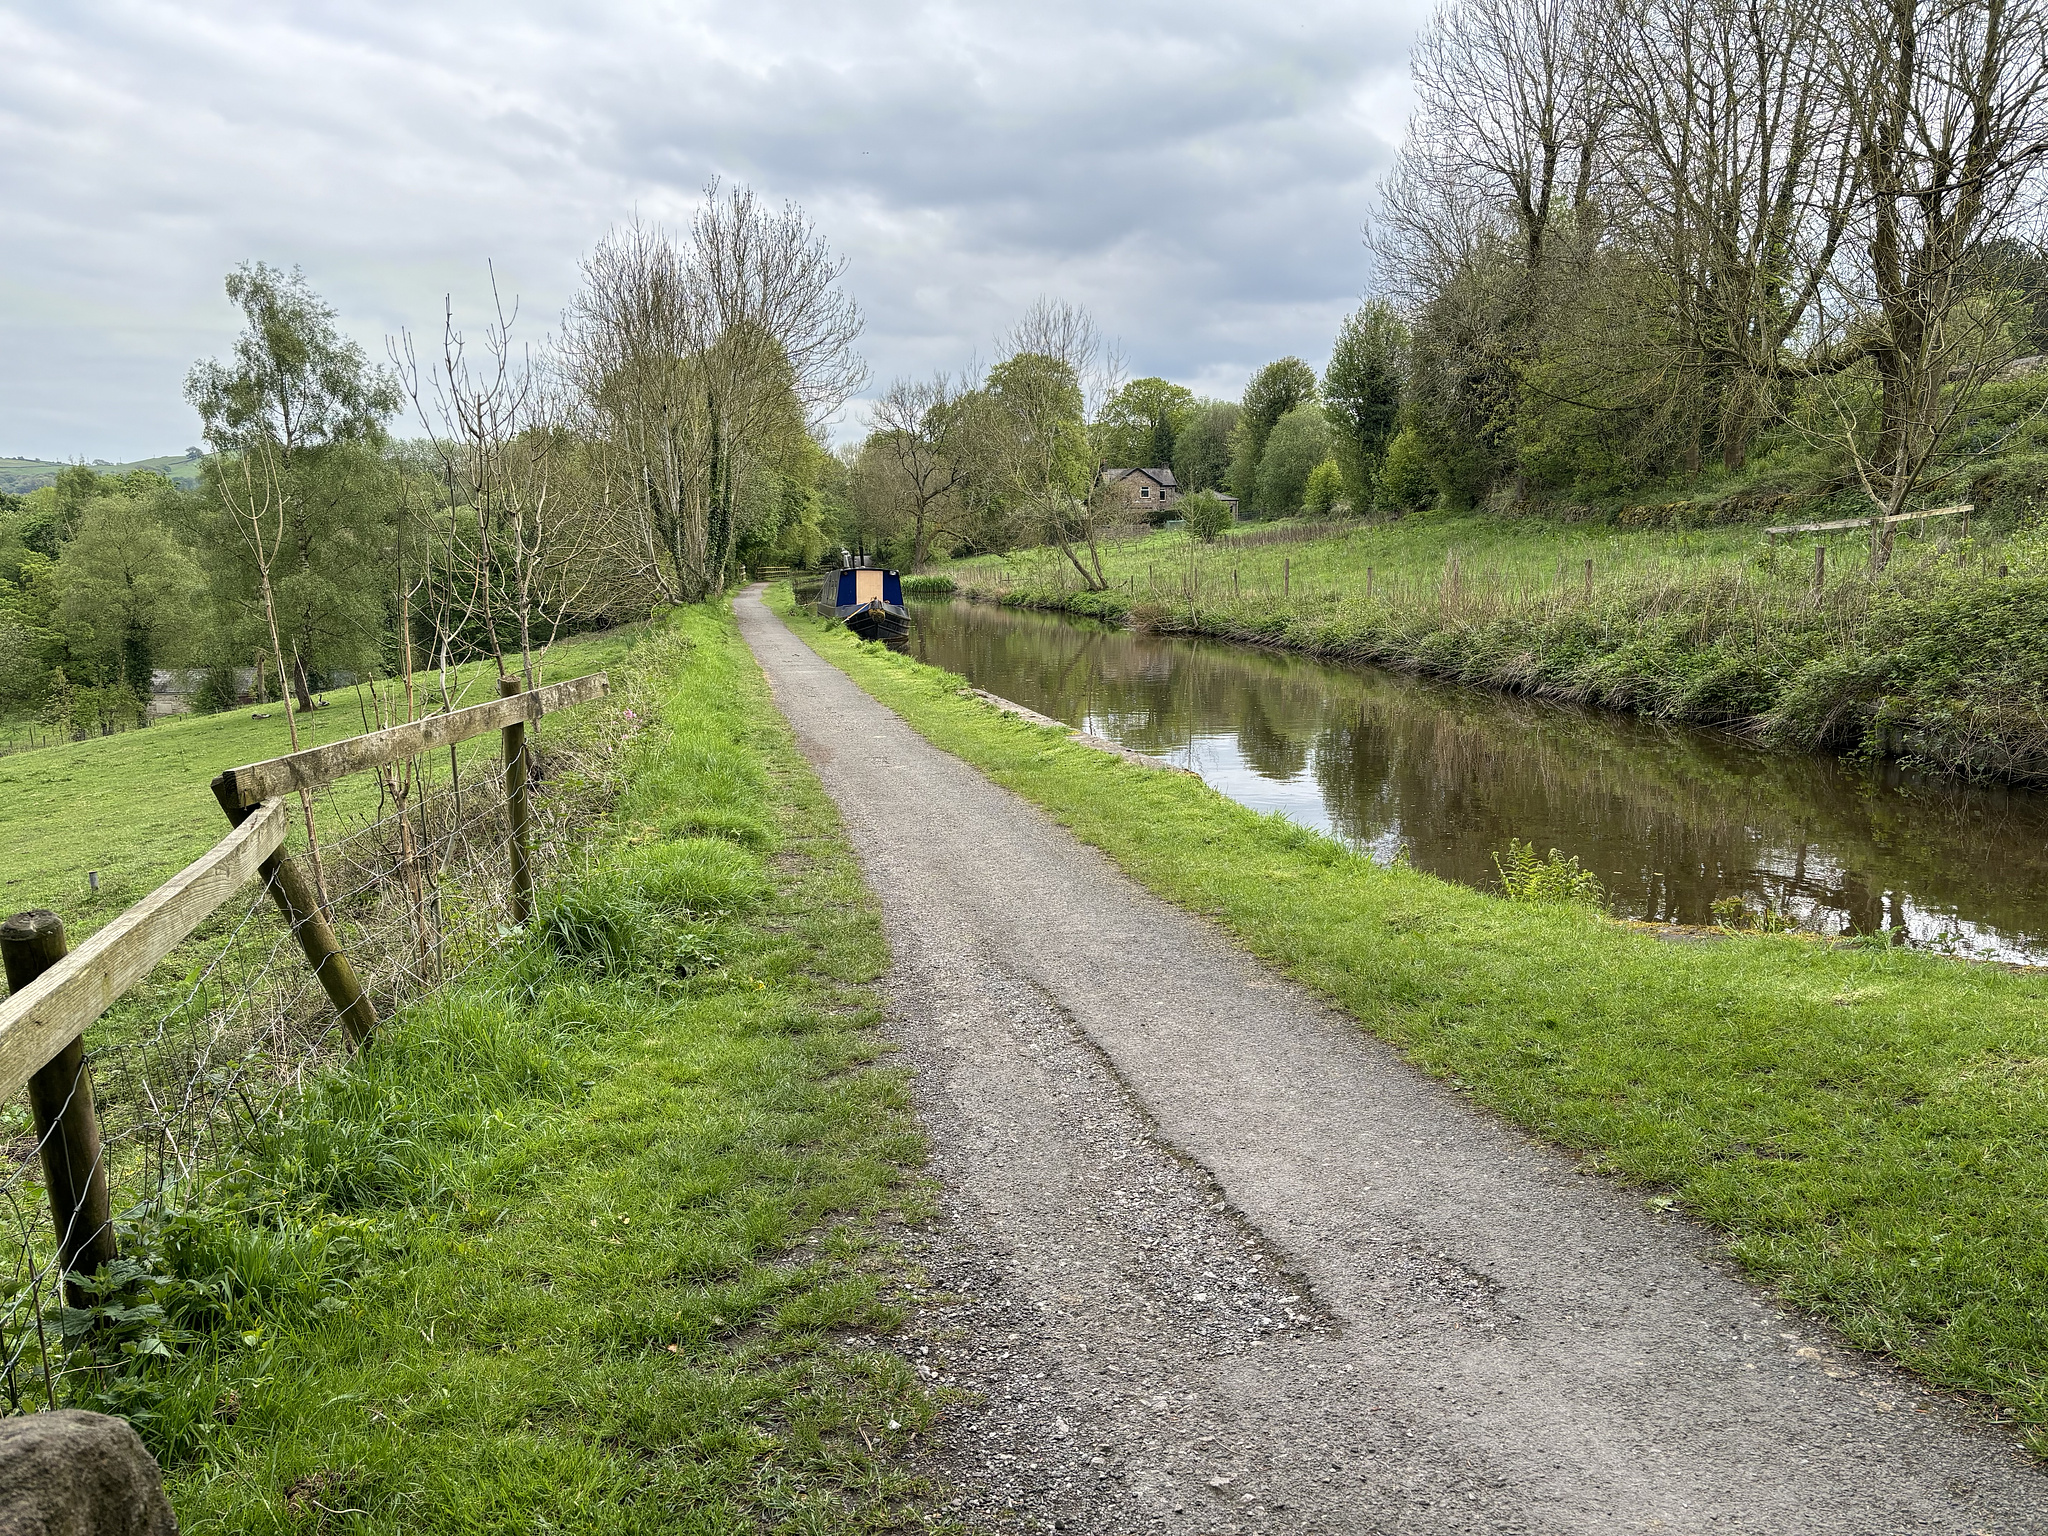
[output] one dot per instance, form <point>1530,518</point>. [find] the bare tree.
<point>1504,138</point>
<point>1732,186</point>
<point>1947,102</point>
<point>924,428</point>
<point>498,425</point>
<point>696,362</point>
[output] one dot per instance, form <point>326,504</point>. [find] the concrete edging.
<point>1085,738</point>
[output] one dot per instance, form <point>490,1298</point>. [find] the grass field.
<point>136,807</point>
<point>590,1241</point>
<point>1942,659</point>
<point>1867,1126</point>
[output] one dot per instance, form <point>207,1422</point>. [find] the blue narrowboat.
<point>870,602</point>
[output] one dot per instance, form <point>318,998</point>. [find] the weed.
<point>1738,915</point>
<point>1555,878</point>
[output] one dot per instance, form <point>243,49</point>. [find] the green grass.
<point>1867,1126</point>
<point>1942,659</point>
<point>136,807</point>
<point>583,1243</point>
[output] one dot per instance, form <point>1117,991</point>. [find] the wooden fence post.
<point>1589,578</point>
<point>67,1128</point>
<point>516,808</point>
<point>1286,574</point>
<point>300,904</point>
<point>1820,570</point>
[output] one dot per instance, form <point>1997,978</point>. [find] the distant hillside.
<point>19,475</point>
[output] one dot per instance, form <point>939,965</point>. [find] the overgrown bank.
<point>1941,660</point>
<point>1864,1124</point>
<point>575,1244</point>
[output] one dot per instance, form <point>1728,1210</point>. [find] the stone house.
<point>1148,492</point>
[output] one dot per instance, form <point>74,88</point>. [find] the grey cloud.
<point>1196,173</point>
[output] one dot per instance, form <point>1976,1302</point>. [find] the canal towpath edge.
<point>1273,1278</point>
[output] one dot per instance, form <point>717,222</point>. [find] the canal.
<point>1672,819</point>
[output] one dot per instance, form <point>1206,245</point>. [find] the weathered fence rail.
<point>55,994</point>
<point>1964,510</point>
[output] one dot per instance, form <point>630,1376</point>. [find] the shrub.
<point>1300,441</point>
<point>1405,479</point>
<point>1325,489</point>
<point>1207,515</point>
<point>928,586</point>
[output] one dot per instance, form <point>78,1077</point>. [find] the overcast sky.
<point>1197,173</point>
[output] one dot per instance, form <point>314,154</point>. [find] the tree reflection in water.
<point>1671,818</point>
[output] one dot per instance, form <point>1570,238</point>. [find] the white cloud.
<point>1196,173</point>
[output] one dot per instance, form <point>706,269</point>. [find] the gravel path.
<point>1230,1265</point>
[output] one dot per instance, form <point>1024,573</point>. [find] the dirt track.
<point>1234,1266</point>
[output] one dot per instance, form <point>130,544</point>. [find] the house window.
<point>1144,490</point>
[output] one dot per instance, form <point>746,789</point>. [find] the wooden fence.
<point>55,994</point>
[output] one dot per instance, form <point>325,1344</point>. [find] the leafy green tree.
<point>1275,390</point>
<point>1201,453</point>
<point>1325,491</point>
<point>1043,439</point>
<point>1362,388</point>
<point>128,593</point>
<point>1405,479</point>
<point>1142,422</point>
<point>1299,442</point>
<point>300,502</point>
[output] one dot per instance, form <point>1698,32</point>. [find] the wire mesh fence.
<point>192,1070</point>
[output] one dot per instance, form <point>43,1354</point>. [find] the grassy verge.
<point>1942,659</point>
<point>1868,1126</point>
<point>588,1242</point>
<point>136,808</point>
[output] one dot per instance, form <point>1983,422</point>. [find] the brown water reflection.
<point>1670,818</point>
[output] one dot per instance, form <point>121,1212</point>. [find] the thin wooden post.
<point>67,1127</point>
<point>1589,578</point>
<point>1286,574</point>
<point>1368,581</point>
<point>516,809</point>
<point>300,905</point>
<point>1820,570</point>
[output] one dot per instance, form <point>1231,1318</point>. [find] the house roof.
<point>1160,476</point>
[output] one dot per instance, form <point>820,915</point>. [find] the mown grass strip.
<point>577,1244</point>
<point>1869,1126</point>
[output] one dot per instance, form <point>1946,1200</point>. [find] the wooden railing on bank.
<point>56,994</point>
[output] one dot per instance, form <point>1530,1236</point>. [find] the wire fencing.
<point>199,1063</point>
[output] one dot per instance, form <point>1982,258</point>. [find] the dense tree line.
<point>1630,236</point>
<point>473,498</point>
<point>1018,456</point>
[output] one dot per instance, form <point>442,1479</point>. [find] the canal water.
<point>1670,818</point>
